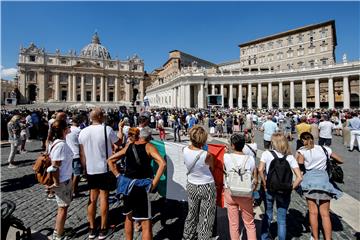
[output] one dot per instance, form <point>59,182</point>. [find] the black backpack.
<point>280,175</point>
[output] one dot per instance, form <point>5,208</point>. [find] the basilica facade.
<point>90,76</point>
<point>296,68</point>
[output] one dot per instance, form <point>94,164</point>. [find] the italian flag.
<point>173,182</point>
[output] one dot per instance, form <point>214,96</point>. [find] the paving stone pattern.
<point>20,186</point>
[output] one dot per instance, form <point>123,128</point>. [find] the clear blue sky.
<point>209,30</point>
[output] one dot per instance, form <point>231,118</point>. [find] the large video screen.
<point>214,100</point>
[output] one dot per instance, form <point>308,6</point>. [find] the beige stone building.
<point>91,76</point>
<point>296,68</point>
<point>7,90</point>
<point>308,46</point>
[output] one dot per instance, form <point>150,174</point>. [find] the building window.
<point>300,64</point>
<point>312,63</point>
<point>301,38</point>
<point>324,61</point>
<point>63,61</point>
<point>270,45</point>
<point>289,39</point>
<point>280,56</point>
<point>32,58</point>
<point>311,50</point>
<point>323,32</point>
<point>279,43</point>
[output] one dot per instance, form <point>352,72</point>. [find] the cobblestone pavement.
<point>20,186</point>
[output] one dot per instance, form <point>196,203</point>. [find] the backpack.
<point>239,180</point>
<point>40,166</point>
<point>280,175</point>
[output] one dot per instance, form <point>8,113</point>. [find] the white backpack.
<point>239,180</point>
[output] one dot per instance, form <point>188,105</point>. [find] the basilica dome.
<point>95,49</point>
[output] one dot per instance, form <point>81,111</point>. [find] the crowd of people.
<point>103,145</point>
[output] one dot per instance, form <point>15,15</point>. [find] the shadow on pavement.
<point>21,163</point>
<point>15,184</point>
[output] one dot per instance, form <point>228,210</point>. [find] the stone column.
<point>292,95</point>
<point>127,91</point>
<point>303,94</point>
<point>116,90</point>
<point>281,95</point>
<point>187,95</point>
<point>106,87</point>
<point>231,97</point>
<point>240,96</point>
<point>269,95</point>
<point>74,88</point>
<point>317,93</point>
<point>222,94</point>
<point>82,87</point>
<point>41,85</point>
<point>331,93</point>
<point>201,96</point>
<point>102,89</point>
<point>94,89</point>
<point>259,97</point>
<point>346,92</point>
<point>213,89</point>
<point>57,87</point>
<point>249,96</point>
<point>69,89</point>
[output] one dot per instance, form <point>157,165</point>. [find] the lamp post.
<point>133,80</point>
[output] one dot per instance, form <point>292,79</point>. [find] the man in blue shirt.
<point>269,127</point>
<point>354,125</point>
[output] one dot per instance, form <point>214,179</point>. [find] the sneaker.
<point>103,234</point>
<point>50,197</point>
<point>55,236</point>
<point>92,233</point>
<point>12,165</point>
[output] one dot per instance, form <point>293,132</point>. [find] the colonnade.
<point>195,95</point>
<point>101,87</point>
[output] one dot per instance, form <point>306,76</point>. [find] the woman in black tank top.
<point>141,168</point>
<point>137,204</point>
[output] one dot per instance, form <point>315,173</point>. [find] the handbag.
<point>110,179</point>
<point>334,171</point>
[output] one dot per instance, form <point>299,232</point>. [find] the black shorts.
<point>138,203</point>
<point>98,181</point>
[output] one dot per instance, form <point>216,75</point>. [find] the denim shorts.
<point>76,166</point>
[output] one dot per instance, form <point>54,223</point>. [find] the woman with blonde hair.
<point>279,165</point>
<point>14,130</point>
<point>317,188</point>
<point>200,187</point>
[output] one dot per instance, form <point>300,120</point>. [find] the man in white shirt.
<point>72,140</point>
<point>325,131</point>
<point>94,160</point>
<point>269,127</point>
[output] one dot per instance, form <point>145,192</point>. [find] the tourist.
<point>325,131</point>
<point>61,158</point>
<point>200,187</point>
<point>72,139</point>
<point>269,127</point>
<point>281,149</point>
<point>138,155</point>
<point>354,125</point>
<point>303,126</point>
<point>316,187</point>
<point>242,203</point>
<point>93,159</point>
<point>13,128</point>
<point>219,122</point>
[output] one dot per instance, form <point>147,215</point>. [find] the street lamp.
<point>132,80</point>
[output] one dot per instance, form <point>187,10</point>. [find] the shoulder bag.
<point>334,171</point>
